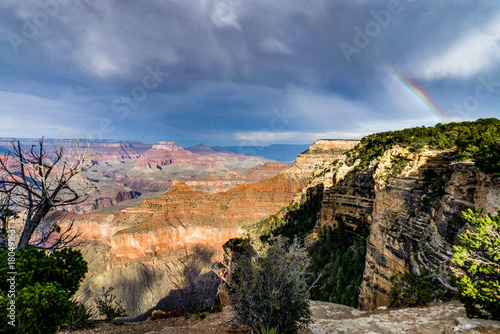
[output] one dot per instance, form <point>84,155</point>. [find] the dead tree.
<point>35,181</point>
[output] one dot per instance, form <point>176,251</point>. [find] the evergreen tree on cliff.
<point>478,257</point>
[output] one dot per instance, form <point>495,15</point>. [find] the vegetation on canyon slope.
<point>478,140</point>
<point>296,220</point>
<point>339,255</point>
<point>338,262</point>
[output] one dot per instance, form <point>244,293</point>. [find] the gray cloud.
<point>230,63</point>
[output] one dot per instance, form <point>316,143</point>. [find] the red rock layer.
<point>182,218</point>
<point>165,153</point>
<point>215,183</point>
<point>119,150</point>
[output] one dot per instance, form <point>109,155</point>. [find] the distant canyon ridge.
<point>127,172</point>
<point>131,246</point>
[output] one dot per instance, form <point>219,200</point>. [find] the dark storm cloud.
<point>222,70</point>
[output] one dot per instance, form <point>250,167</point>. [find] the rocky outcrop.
<point>436,318</point>
<point>130,166</point>
<point>214,183</point>
<point>321,154</point>
<point>350,202</point>
<point>412,203</point>
<point>133,250</point>
<point>105,198</point>
<point>164,153</point>
<point>114,151</point>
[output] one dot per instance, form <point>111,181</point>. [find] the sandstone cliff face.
<point>215,183</point>
<point>414,215</point>
<point>350,202</point>
<point>163,154</point>
<point>114,151</point>
<point>133,250</point>
<point>107,197</point>
<point>316,165</point>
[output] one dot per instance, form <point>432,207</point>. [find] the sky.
<point>244,72</point>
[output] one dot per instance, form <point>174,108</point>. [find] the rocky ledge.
<point>437,318</point>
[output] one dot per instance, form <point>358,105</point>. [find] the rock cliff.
<point>321,154</point>
<point>412,203</point>
<point>215,183</point>
<point>133,250</point>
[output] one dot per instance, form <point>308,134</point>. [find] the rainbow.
<point>418,92</point>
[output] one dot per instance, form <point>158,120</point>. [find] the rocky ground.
<point>437,318</point>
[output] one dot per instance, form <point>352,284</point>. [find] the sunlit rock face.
<point>125,170</point>
<point>414,220</point>
<point>321,154</point>
<point>215,183</point>
<point>132,249</point>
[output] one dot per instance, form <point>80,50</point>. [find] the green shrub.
<point>216,307</point>
<point>298,219</point>
<point>266,330</point>
<point>269,285</point>
<point>66,267</point>
<point>109,306</point>
<point>412,290</point>
<point>80,316</point>
<point>478,257</point>
<point>44,284</point>
<point>478,140</point>
<point>42,308</point>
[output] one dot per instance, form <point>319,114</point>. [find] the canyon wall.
<point>321,154</point>
<point>132,251</point>
<point>412,204</point>
<point>215,183</point>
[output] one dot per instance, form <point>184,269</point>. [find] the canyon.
<point>410,201</point>
<point>132,250</point>
<point>127,172</point>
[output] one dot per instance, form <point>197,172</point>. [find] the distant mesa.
<point>167,146</point>
<point>213,177</point>
<point>201,148</point>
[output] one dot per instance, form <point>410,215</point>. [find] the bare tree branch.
<point>37,181</point>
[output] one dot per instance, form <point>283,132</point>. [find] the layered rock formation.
<point>132,250</point>
<point>215,183</point>
<point>118,151</point>
<point>321,154</point>
<point>164,153</point>
<point>126,169</point>
<point>315,164</point>
<point>414,213</point>
<point>104,198</point>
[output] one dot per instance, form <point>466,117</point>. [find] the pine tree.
<point>478,257</point>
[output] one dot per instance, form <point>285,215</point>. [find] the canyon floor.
<point>436,318</point>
